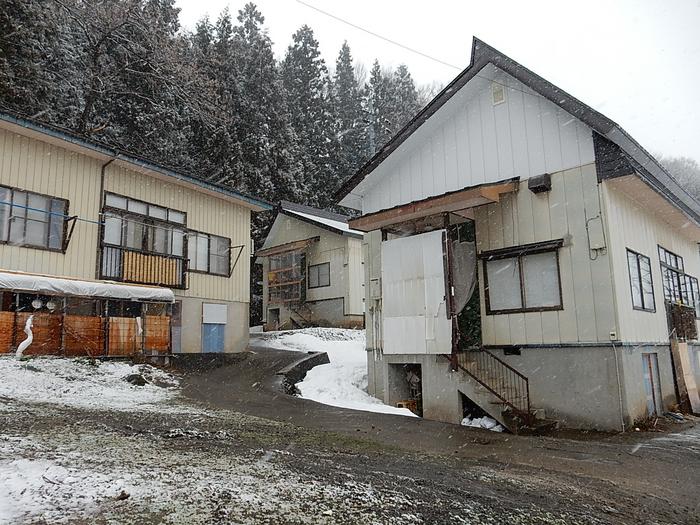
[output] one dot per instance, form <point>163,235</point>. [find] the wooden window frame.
<point>519,252</point>
<point>308,275</point>
<point>208,270</point>
<point>639,276</point>
<point>64,231</point>
<point>299,285</point>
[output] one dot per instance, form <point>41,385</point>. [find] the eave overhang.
<point>451,202</point>
<point>294,246</point>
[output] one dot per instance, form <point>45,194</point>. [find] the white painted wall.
<point>342,252</point>
<point>641,229</point>
<point>524,217</point>
<point>471,141</point>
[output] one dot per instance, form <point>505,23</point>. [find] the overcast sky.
<point>638,62</point>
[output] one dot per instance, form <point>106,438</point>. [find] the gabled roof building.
<point>312,270</point>
<point>526,258</point>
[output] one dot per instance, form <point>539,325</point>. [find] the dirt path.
<point>232,449</point>
<point>644,476</point>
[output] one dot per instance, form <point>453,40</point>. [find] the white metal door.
<point>413,296</point>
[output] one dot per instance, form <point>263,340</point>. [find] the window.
<point>208,253</point>
<point>320,275</point>
<point>32,220</point>
<point>641,284</point>
<point>679,287</point>
<point>523,278</point>
<point>142,226</point>
<point>286,277</point>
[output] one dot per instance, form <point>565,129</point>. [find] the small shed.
<point>312,270</point>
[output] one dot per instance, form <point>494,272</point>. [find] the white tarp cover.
<point>414,311</point>
<point>27,282</point>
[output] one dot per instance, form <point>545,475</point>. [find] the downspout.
<point>603,208</point>
<point>98,259</point>
<point>619,385</point>
<point>103,169</point>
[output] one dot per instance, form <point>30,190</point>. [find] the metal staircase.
<point>300,314</point>
<point>505,389</point>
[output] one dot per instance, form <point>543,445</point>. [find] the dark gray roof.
<point>482,54</point>
<point>318,217</point>
<point>109,151</point>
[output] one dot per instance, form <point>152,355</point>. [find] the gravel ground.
<point>197,461</point>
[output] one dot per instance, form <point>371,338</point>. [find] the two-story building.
<point>312,270</point>
<point>526,257</point>
<point>115,255</point>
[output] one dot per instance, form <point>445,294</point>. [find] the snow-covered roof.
<point>327,219</point>
<point>43,284</point>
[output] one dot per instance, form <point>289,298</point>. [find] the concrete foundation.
<point>590,387</point>
<point>235,332</point>
<point>326,313</point>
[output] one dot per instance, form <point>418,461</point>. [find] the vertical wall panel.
<point>526,135</point>
<point>586,284</point>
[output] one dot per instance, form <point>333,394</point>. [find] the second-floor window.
<point>641,283</point>
<point>143,227</point>
<point>31,219</point>
<point>523,278</point>
<point>679,287</point>
<point>208,253</point>
<point>319,275</point>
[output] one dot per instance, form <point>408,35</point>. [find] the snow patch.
<point>81,383</point>
<point>485,422</point>
<point>341,383</point>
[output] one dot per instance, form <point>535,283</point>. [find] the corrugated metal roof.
<point>105,150</point>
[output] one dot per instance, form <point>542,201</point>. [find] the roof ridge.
<point>317,212</point>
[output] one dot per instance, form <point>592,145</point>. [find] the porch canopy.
<point>293,246</point>
<point>43,284</point>
<point>451,202</point>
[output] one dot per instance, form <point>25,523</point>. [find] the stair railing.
<point>498,377</point>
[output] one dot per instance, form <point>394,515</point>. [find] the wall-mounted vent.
<point>540,184</point>
<point>498,92</point>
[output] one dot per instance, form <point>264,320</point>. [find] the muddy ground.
<point>234,449</point>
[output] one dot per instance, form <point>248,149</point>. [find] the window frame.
<point>681,278</point>
<point>147,221</point>
<point>275,290</point>
<point>50,198</point>
<point>639,275</point>
<point>308,275</point>
<point>518,252</point>
<point>208,270</point>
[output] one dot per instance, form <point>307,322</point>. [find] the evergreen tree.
<point>351,123</point>
<point>403,99</point>
<point>268,142</point>
<point>377,100</point>
<point>305,79</point>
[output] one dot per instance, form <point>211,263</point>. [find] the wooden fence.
<point>77,335</point>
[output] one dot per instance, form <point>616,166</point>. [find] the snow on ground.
<point>343,382</point>
<point>81,383</point>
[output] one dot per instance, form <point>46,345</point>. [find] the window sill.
<point>525,310</point>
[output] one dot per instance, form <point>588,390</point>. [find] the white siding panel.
<point>470,141</point>
<point>524,217</point>
<point>633,226</point>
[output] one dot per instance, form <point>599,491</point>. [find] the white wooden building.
<point>312,270</point>
<point>582,249</point>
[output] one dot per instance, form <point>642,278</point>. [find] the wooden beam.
<point>287,247</point>
<point>447,203</point>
